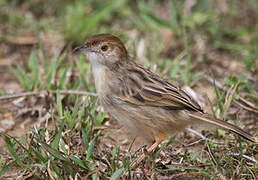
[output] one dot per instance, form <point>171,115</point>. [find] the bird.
<point>142,101</point>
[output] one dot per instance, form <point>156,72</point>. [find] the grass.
<point>90,20</point>
<point>70,144</point>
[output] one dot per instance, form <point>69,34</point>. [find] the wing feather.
<point>150,90</point>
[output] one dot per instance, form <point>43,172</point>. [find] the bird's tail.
<point>223,124</point>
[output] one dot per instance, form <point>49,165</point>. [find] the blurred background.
<point>178,36</point>
<point>209,46</point>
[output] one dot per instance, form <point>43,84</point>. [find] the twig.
<point>44,92</point>
<point>245,107</point>
<point>245,156</point>
<point>193,143</point>
<point>248,103</point>
<point>197,133</point>
<point>203,138</point>
<point>211,155</point>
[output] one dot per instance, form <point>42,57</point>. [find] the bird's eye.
<point>104,48</point>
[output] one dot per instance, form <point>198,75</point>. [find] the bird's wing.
<point>142,87</point>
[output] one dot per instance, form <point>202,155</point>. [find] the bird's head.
<point>104,49</point>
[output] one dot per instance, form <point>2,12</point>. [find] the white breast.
<point>99,76</point>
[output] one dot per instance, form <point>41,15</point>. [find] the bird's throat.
<point>99,76</point>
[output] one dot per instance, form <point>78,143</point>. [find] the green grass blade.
<point>79,162</point>
<point>55,143</point>
<point>117,174</point>
<point>10,147</point>
<point>59,104</point>
<point>90,149</point>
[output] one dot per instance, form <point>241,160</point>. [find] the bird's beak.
<point>79,48</point>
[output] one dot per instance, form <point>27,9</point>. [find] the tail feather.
<point>224,124</point>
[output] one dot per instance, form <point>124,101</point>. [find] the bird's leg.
<point>141,158</point>
<point>158,140</point>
